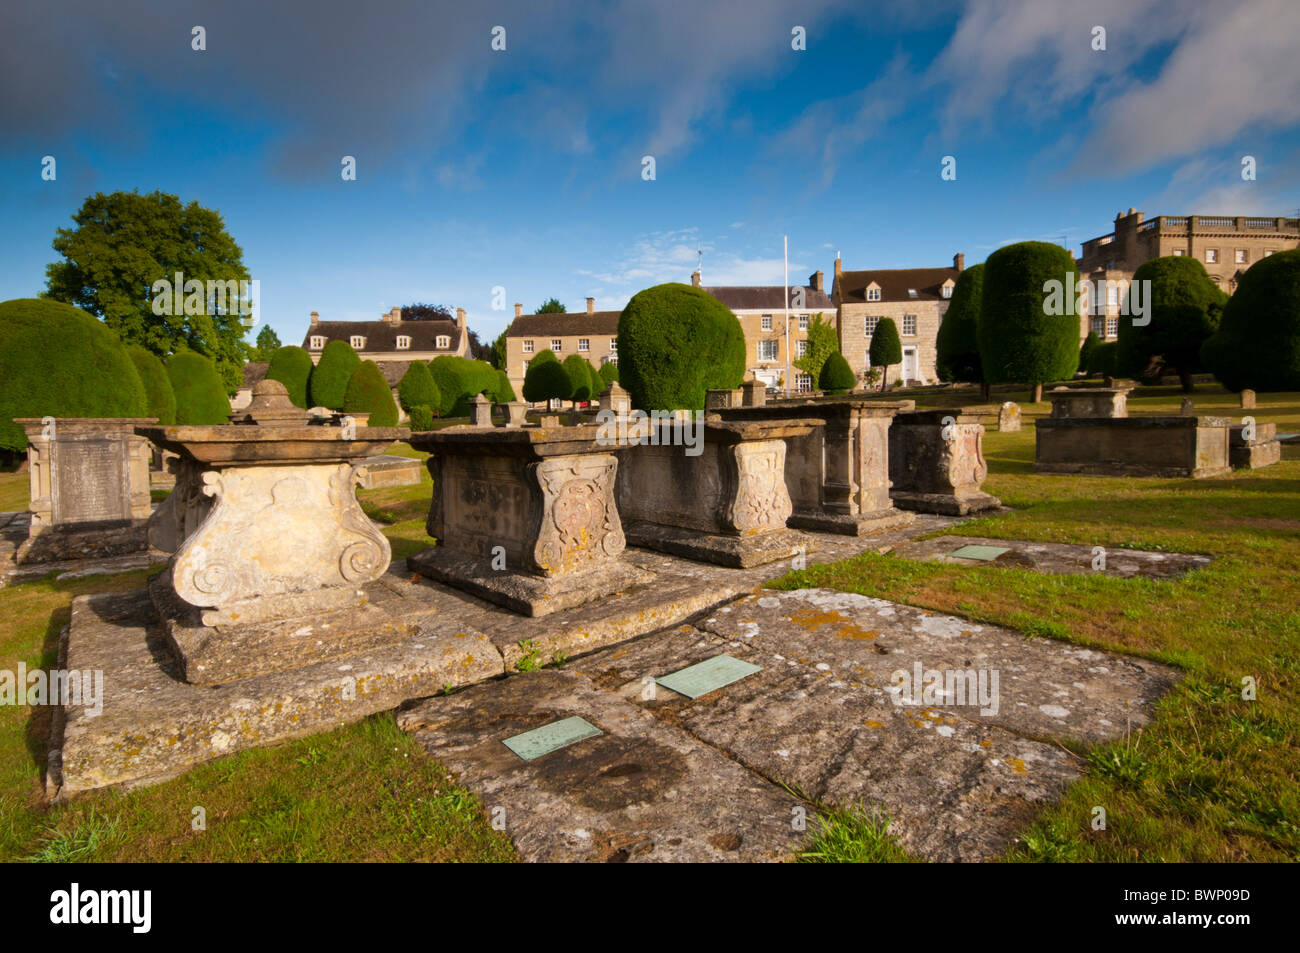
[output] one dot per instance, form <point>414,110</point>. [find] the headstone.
<point>718,399</point>
<point>1187,408</point>
<point>1009,417</point>
<point>89,482</point>
<point>548,421</point>
<point>754,393</point>
<point>1248,399</point>
<point>480,411</point>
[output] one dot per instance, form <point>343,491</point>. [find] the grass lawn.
<point>1212,778</point>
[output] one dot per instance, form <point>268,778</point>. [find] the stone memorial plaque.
<point>90,481</point>
<point>552,737</point>
<point>707,676</point>
<point>985,553</point>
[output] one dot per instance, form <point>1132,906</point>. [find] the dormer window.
<point>873,294</point>
<point>358,342</point>
<point>443,342</point>
<point>911,292</point>
<point>403,342</point>
<point>947,291</point>
<point>317,342</point>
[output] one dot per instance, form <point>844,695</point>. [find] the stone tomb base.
<point>844,524</point>
<point>526,593</point>
<point>946,504</point>
<point>736,552</point>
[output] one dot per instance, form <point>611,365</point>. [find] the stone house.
<point>915,298</point>
<point>1226,245</point>
<point>391,338</point>
<point>591,334</point>
<point>770,352</point>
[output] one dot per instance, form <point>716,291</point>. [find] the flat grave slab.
<point>708,676</point>
<point>640,791</point>
<point>1050,558</point>
<point>558,734</point>
<point>821,714</point>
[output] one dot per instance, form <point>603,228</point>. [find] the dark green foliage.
<point>1019,343</point>
<point>329,379</point>
<point>836,375</point>
<point>368,393</point>
<point>546,379</point>
<point>551,306</point>
<point>421,418</point>
<point>459,379</point>
<point>124,244</point>
<point>886,348</point>
<point>957,345</point>
<point>292,367</point>
<point>1185,308</point>
<point>823,341</point>
<point>200,392</point>
<point>1103,358</point>
<point>1085,351</point>
<point>608,373</point>
<point>426,312</point>
<point>417,388</point>
<point>580,385</point>
<point>1258,342</point>
<point>58,361</point>
<point>676,342</point>
<point>157,385</point>
<point>267,343</point>
<point>499,352</point>
<point>504,393</point>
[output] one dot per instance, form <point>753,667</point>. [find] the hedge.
<point>200,391</point>
<point>1258,341</point>
<point>675,342</point>
<point>580,383</point>
<point>417,388</point>
<point>421,418</point>
<point>368,393</point>
<point>957,345</point>
<point>158,393</point>
<point>836,375</point>
<point>458,379</point>
<point>608,374</point>
<point>58,361</point>
<point>292,367</point>
<point>329,380</point>
<point>546,380</point>
<point>504,392</point>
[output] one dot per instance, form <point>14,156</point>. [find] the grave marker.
<point>707,676</point>
<point>530,745</point>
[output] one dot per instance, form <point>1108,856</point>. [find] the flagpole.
<point>785,241</point>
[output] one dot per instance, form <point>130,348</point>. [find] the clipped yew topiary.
<point>608,374</point>
<point>1026,334</point>
<point>886,348</point>
<point>157,385</point>
<point>292,367</point>
<point>421,418</point>
<point>836,376</point>
<point>580,384</point>
<point>1257,344</point>
<point>1085,351</point>
<point>329,379</point>
<point>1185,308</point>
<point>368,393</point>
<point>676,342</point>
<point>504,392</point>
<point>546,379</point>
<point>459,379</point>
<point>957,356</point>
<point>58,361</point>
<point>1103,358</point>
<point>200,392</point>
<point>417,388</point>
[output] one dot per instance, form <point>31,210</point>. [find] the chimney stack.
<point>394,316</point>
<point>315,318</point>
<point>839,266</point>
<point>959,261</point>
<point>696,277</point>
<point>591,305</point>
<point>818,281</point>
<point>460,318</point>
<point>519,310</point>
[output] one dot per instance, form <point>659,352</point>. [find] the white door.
<point>911,371</point>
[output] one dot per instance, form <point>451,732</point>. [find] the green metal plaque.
<point>552,737</point>
<point>985,553</point>
<point>709,675</point>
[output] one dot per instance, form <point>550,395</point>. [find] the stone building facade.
<point>915,298</point>
<point>592,334</point>
<point>391,338</point>
<point>1226,245</point>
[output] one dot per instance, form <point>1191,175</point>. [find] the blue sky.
<point>522,168</point>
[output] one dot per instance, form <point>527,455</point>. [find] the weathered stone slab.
<point>1133,446</point>
<point>1089,402</point>
<point>936,463</point>
<point>1057,558</point>
<point>1009,417</point>
<point>641,791</point>
<point>1261,450</point>
<point>384,471</point>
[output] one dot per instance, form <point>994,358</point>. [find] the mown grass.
<point>1213,777</point>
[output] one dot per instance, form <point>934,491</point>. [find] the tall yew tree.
<point>125,242</point>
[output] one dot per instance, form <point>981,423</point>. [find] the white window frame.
<point>557,345</point>
<point>803,382</point>
<point>903,332</point>
<point>947,291</point>
<point>803,322</point>
<point>358,342</point>
<point>1112,326</point>
<point>870,324</point>
<point>765,322</point>
<point>403,342</point>
<point>1179,253</point>
<point>528,345</point>
<point>443,341</point>
<point>800,348</point>
<point>1243,256</point>
<point>1097,325</point>
<point>613,345</point>
<point>317,342</point>
<point>584,344</point>
<point>1211,256</point>
<point>873,294</point>
<point>768,346</point>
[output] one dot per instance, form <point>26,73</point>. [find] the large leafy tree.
<point>551,306</point>
<point>957,352</point>
<point>268,342</point>
<point>1027,333</point>
<point>426,312</point>
<point>123,244</point>
<point>1185,308</point>
<point>822,343</point>
<point>498,359</point>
